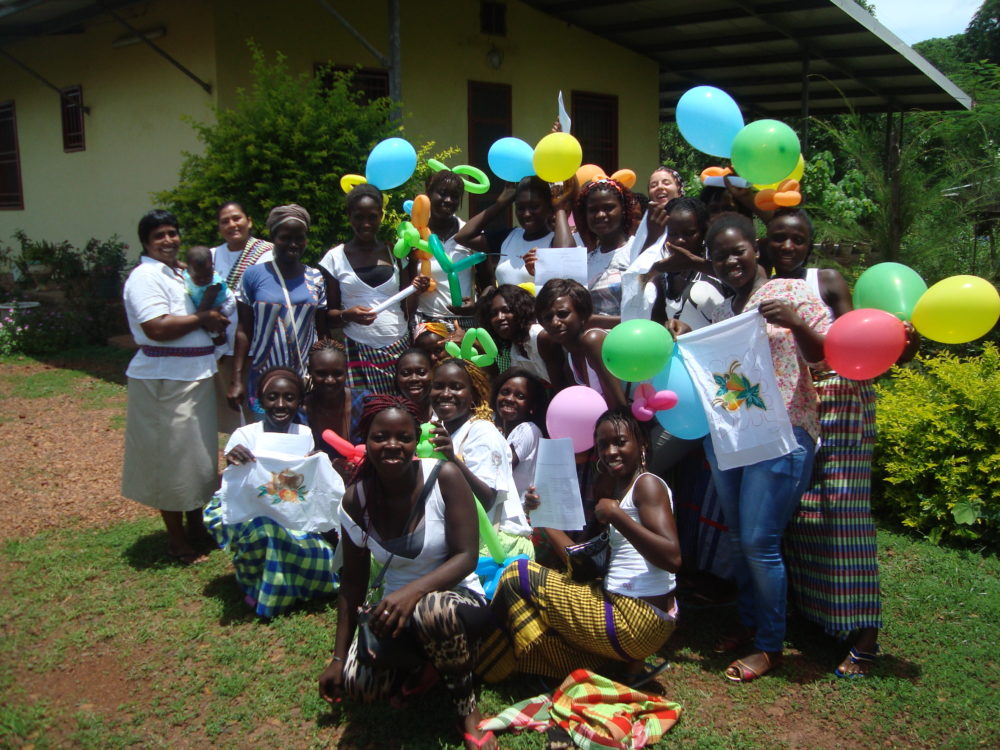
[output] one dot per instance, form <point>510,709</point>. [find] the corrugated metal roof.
<point>761,52</point>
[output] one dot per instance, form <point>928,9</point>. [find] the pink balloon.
<point>648,401</point>
<point>573,413</point>
<point>863,344</point>
<point>353,453</point>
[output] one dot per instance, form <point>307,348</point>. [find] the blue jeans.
<point>757,502</point>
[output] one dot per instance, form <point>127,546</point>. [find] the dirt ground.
<point>63,464</point>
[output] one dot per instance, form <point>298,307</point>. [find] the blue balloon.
<point>407,207</point>
<point>686,420</point>
<point>511,159</point>
<point>390,164</point>
<point>709,119</point>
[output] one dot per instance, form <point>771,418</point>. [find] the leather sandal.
<point>858,657</point>
<point>740,671</point>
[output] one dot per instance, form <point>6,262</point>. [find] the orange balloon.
<point>787,198</point>
<point>715,172</point>
<point>425,232</point>
<point>764,200</point>
<point>420,214</point>
<point>788,185</point>
<point>625,176</point>
<point>589,173</point>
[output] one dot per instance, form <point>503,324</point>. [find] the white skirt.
<point>171,444</point>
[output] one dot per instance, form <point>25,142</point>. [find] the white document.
<point>561,506</point>
<point>564,122</point>
<point>560,263</point>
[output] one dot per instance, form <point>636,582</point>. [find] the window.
<point>371,83</point>
<point>71,104</point>
<point>493,18</point>
<point>11,196</point>
<point>595,125</point>
<point>489,120</point>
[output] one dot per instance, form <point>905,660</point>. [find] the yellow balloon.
<point>557,157</point>
<point>348,181</point>
<point>796,174</point>
<point>957,309</point>
<point>529,287</point>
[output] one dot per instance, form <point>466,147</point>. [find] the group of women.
<point>391,386</point>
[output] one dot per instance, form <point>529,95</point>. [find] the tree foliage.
<point>289,139</point>
<point>982,36</point>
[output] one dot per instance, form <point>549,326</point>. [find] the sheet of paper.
<point>557,486</point>
<point>560,263</point>
<point>564,121</point>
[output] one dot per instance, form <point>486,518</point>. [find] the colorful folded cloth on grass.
<point>598,714</point>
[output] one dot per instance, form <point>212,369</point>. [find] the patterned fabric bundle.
<point>830,545</point>
<point>596,713</point>
<point>371,369</point>
<point>556,625</point>
<point>274,566</point>
<point>250,255</point>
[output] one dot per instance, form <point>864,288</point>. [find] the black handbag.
<point>589,561</point>
<point>404,651</point>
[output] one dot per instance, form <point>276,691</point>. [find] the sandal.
<point>734,641</point>
<point>645,674</point>
<point>487,736</point>
<point>187,558</point>
<point>740,671</point>
<point>858,657</point>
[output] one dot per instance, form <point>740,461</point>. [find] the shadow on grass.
<point>149,552</point>
<point>228,593</point>
<point>428,723</point>
<point>103,362</point>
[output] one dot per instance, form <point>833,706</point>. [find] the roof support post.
<point>162,53</point>
<point>39,77</point>
<point>893,147</point>
<point>804,137</point>
<point>395,73</point>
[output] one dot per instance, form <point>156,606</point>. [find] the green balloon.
<point>892,287</point>
<point>636,350</point>
<point>765,151</point>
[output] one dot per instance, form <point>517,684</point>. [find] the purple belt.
<point>177,351</point>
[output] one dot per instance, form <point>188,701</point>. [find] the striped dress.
<point>830,544</point>
<point>281,336</point>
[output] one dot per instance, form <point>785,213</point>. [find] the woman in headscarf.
<point>282,304</point>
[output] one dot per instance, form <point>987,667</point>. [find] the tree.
<point>289,139</point>
<point>982,35</point>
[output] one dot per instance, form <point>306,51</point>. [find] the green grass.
<point>192,664</point>
<point>94,375</point>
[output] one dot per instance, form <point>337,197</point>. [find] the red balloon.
<point>353,453</point>
<point>864,343</point>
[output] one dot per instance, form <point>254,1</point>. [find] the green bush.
<point>937,456</point>
<point>289,139</point>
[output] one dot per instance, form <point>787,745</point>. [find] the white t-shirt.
<point>510,268</point>
<point>152,290</point>
<point>523,441</point>
<point>484,450</point>
<point>531,360</point>
<point>434,305</point>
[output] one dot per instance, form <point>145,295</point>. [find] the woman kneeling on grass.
<point>422,529</point>
<point>555,624</point>
<point>275,567</point>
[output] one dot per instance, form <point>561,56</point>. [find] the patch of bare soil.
<point>62,465</point>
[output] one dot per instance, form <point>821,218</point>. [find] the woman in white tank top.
<point>431,590</point>
<point>556,624</point>
<point>360,274</point>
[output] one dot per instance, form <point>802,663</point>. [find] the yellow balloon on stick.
<point>957,309</point>
<point>557,157</point>
<point>348,181</point>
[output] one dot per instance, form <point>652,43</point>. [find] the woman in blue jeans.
<point>758,500</point>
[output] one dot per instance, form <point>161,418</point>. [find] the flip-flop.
<point>857,657</point>
<point>647,674</point>
<point>467,736</point>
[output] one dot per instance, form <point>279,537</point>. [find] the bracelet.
<point>338,658</point>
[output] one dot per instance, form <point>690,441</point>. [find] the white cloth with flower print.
<point>302,493</point>
<point>732,370</point>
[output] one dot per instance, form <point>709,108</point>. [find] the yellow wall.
<point>134,132</point>
<point>135,135</point>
